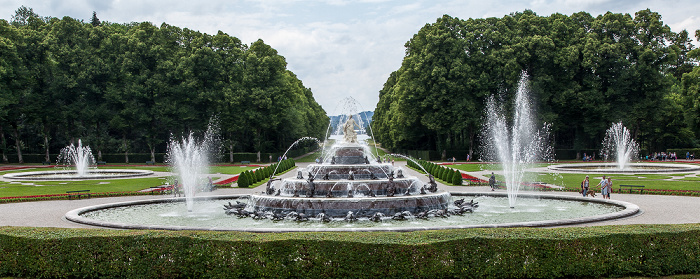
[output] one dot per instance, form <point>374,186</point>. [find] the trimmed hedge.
<point>609,251</point>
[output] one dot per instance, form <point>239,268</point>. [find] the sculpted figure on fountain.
<point>349,133</point>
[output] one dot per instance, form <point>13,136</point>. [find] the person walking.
<point>584,186</point>
<point>492,181</point>
<point>609,185</point>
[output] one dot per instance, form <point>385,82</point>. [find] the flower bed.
<point>227,181</point>
<point>473,179</point>
<point>672,192</point>
<point>162,190</point>
<point>11,168</point>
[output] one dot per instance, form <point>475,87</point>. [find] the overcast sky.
<point>338,48</point>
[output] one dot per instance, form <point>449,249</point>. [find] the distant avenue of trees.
<point>125,88</point>
<point>585,72</point>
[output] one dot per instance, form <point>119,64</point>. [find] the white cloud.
<point>338,48</point>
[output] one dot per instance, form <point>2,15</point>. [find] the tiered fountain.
<point>349,181</point>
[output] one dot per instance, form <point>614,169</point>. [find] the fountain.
<point>81,157</point>
<point>350,189</point>
<point>618,146</point>
<point>189,159</point>
<point>517,146</point>
<point>348,179</point>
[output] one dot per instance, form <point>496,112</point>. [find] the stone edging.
<point>629,210</point>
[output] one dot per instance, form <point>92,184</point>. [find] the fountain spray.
<point>80,156</point>
<point>618,145</point>
<point>190,159</point>
<point>518,145</point>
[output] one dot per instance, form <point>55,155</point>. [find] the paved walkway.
<point>655,209</point>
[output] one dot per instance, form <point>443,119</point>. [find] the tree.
<point>94,20</point>
<point>584,73</point>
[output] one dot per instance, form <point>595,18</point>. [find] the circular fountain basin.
<point>630,168</point>
<point>73,175</point>
<point>531,211</point>
<point>339,207</point>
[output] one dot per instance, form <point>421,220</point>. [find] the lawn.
<point>572,181</point>
<point>32,188</point>
<point>14,189</point>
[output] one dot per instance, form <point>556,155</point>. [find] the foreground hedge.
<point>611,251</point>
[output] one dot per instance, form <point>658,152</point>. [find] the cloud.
<point>338,48</point>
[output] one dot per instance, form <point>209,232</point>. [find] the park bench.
<point>632,187</point>
<point>150,162</point>
<point>46,163</point>
<point>78,193</point>
<point>101,162</point>
<point>245,162</point>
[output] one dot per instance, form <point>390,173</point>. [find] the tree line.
<point>125,88</point>
<point>585,73</point>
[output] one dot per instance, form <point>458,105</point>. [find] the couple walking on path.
<point>605,187</point>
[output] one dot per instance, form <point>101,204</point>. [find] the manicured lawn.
<point>572,181</point>
<point>309,158</point>
<point>229,169</point>
<point>473,167</point>
<point>14,189</point>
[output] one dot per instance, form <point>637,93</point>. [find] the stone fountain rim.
<point>125,173</point>
<point>663,168</point>
<point>629,209</point>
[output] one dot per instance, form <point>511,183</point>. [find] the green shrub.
<point>258,175</point>
<point>243,180</point>
<point>585,252</point>
<point>456,178</point>
<point>251,177</point>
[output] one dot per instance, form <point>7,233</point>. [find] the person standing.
<point>603,187</point>
<point>584,186</point>
<point>609,185</point>
<point>492,181</point>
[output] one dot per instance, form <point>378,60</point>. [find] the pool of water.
<point>492,210</point>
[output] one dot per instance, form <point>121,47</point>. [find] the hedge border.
<point>607,251</point>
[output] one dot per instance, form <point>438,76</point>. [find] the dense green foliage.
<point>585,73</point>
<point>593,252</point>
<point>125,88</point>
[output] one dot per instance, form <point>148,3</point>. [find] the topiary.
<point>258,175</point>
<point>243,180</point>
<point>251,177</point>
<point>457,178</point>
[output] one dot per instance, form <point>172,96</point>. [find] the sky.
<point>338,48</point>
